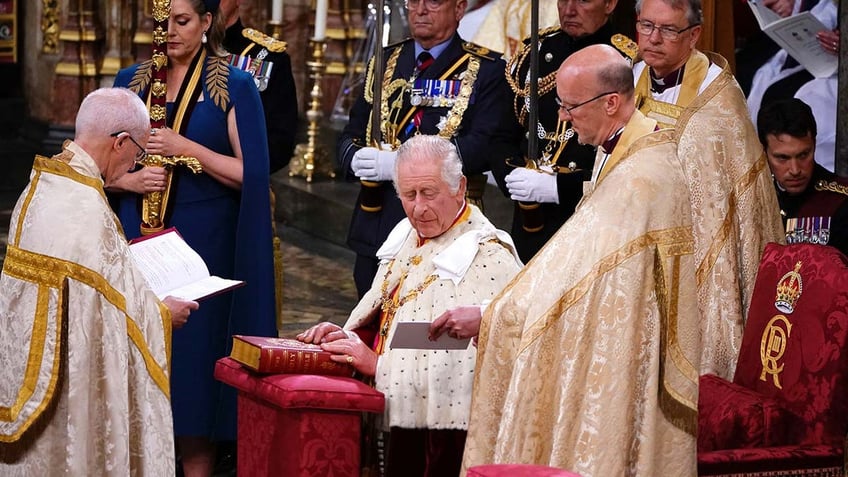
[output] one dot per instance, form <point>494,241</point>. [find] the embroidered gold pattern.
<point>832,186</point>
<point>569,298</point>
<point>789,290</point>
<point>772,347</point>
<point>52,272</point>
<point>217,73</point>
<point>141,77</point>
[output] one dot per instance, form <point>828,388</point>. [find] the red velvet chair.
<point>517,470</point>
<point>298,425</point>
<point>786,411</point>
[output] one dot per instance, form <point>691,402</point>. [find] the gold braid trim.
<point>513,77</point>
<point>605,265</point>
<point>454,116</point>
<point>831,186</point>
<point>53,272</point>
<point>35,358</point>
<point>682,412</point>
<point>57,165</point>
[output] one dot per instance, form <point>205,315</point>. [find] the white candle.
<point>277,11</point>
<point>320,20</point>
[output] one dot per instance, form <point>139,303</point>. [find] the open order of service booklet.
<point>172,268</point>
<point>797,35</point>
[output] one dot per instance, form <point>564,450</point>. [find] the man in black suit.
<point>434,83</point>
<point>266,59</point>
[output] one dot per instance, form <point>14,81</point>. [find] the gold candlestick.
<point>276,29</point>
<point>311,158</point>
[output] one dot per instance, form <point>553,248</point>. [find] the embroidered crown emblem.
<point>789,290</point>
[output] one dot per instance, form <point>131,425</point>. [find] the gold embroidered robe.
<point>432,388</point>
<point>588,361</point>
<point>735,210</point>
<point>84,386</point>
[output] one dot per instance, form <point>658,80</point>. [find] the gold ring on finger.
<point>349,360</point>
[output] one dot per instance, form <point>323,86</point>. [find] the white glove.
<point>372,164</point>
<point>529,185</point>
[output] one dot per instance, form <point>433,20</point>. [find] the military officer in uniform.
<point>813,201</point>
<point>433,83</point>
<point>547,191</point>
<point>266,59</point>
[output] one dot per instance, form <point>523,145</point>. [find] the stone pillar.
<point>118,53</point>
<point>143,38</point>
<point>76,72</point>
<point>842,98</point>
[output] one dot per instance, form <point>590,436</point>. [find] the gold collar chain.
<point>390,303</point>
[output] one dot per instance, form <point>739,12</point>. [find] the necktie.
<point>425,59</point>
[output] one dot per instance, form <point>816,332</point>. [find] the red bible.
<point>285,356</point>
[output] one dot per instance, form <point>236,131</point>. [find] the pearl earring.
<point>203,38</point>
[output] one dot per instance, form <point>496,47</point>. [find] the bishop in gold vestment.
<point>85,347</point>
<point>588,360</point>
<point>735,212</point>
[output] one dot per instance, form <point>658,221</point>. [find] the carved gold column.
<point>50,26</point>
<point>76,72</point>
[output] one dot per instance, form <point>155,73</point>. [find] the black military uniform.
<point>476,121</point>
<point>277,91</point>
<point>820,213</point>
<point>534,224</point>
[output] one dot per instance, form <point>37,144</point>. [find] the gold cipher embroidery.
<point>772,347</point>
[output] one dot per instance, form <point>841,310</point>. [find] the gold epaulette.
<point>625,45</point>
<point>480,51</point>
<point>272,44</point>
<point>832,186</point>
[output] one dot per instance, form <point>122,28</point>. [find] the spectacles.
<point>569,109</point>
<point>645,27</point>
<point>141,154</point>
<point>428,4</point>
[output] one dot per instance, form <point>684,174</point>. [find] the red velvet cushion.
<point>301,390</point>
<point>732,417</point>
<point>517,470</point>
<point>814,377</point>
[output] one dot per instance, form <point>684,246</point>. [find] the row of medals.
<point>434,92</point>
<point>808,230</point>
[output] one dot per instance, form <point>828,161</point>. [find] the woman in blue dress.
<point>215,115</point>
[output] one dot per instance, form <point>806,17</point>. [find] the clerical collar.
<point>610,143</point>
<point>658,85</point>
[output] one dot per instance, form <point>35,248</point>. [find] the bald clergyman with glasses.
<point>434,83</point>
<point>733,209</point>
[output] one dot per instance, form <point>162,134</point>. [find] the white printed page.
<point>205,288</point>
<point>797,35</point>
<point>169,264</point>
